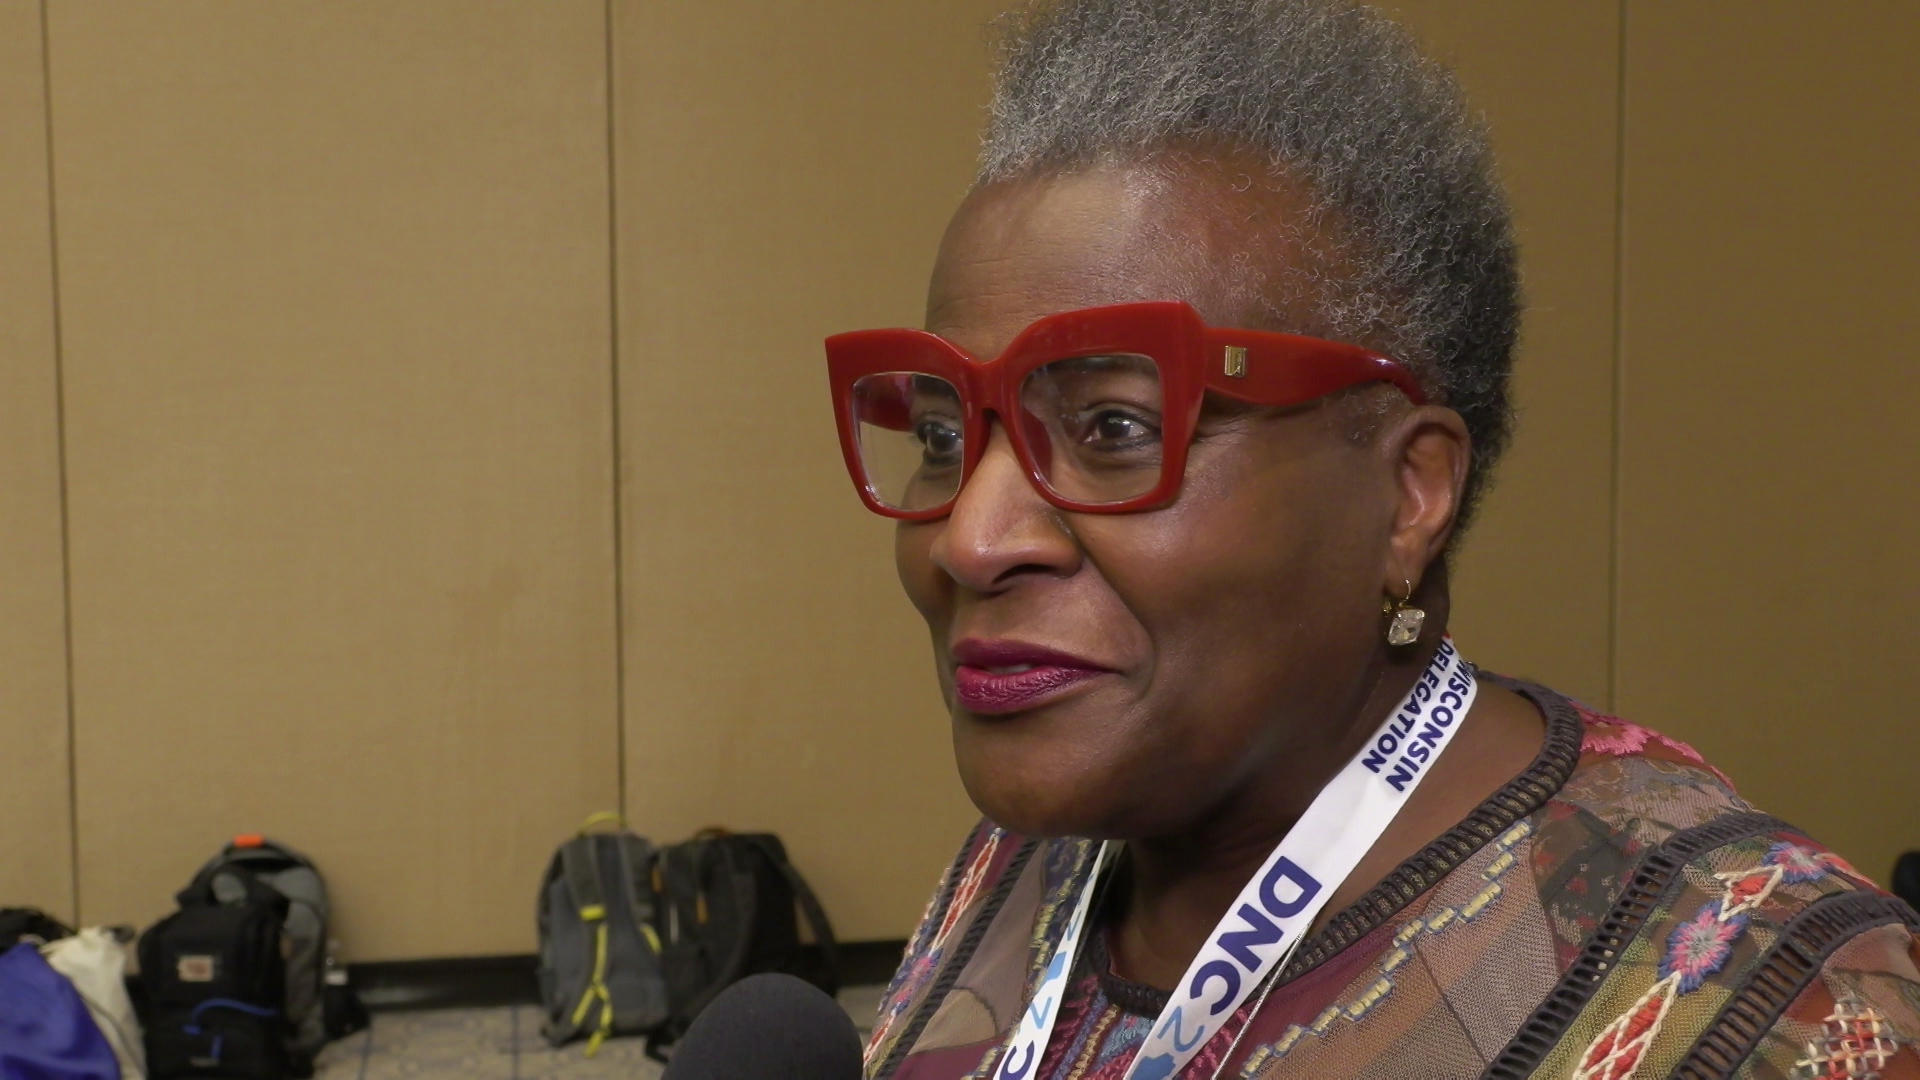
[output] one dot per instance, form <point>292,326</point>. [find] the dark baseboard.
<point>454,982</point>
<point>473,982</point>
<point>866,963</point>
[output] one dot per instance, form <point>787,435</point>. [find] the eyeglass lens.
<point>912,441</point>
<point>1093,426</point>
<point>1091,423</point>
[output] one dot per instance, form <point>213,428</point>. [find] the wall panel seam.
<point>613,394</point>
<point>1618,425</point>
<point>60,459</point>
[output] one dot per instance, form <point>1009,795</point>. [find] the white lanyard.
<point>1278,904</point>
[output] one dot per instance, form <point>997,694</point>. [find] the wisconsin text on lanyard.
<point>1281,900</point>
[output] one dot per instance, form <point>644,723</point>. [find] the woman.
<point>1215,365</point>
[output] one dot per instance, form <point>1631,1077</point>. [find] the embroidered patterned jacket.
<point>1614,912</point>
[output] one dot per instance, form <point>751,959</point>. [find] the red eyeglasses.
<point>1100,403</point>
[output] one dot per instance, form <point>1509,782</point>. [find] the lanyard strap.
<point>1267,921</point>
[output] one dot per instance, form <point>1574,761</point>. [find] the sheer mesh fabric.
<point>1875,972</point>
<point>1464,972</point>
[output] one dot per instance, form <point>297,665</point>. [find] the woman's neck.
<point>1176,888</point>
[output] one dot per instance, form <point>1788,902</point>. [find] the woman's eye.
<point>1112,426</point>
<point>938,442</point>
<point>1111,429</point>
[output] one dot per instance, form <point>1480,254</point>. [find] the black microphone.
<point>769,1027</point>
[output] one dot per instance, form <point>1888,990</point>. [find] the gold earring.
<point>1404,620</point>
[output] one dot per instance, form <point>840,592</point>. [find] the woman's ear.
<point>1428,448</point>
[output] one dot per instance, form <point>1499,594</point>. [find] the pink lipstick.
<point>994,678</point>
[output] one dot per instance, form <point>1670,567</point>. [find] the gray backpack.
<point>304,933</point>
<point>600,971</point>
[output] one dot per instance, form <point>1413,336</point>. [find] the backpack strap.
<point>744,904</point>
<point>580,868</point>
<point>816,921</point>
<point>581,871</point>
<point>810,908</point>
<point>636,862</point>
<point>192,1026</point>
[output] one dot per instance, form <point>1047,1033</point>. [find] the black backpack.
<point>215,983</point>
<point>1906,879</point>
<point>637,940</point>
<point>18,924</point>
<point>729,907</point>
<point>304,936</point>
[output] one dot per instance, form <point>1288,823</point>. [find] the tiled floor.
<point>501,1044</point>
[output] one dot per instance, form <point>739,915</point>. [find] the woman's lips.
<point>997,677</point>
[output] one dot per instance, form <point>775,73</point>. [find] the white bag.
<point>95,962</point>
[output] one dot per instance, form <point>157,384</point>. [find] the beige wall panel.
<point>1768,577</point>
<point>1533,594</point>
<point>36,848</point>
<point>336,299</point>
<point>784,172</point>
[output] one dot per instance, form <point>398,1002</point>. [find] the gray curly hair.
<point>1338,101</point>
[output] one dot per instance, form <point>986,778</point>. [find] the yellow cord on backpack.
<point>597,985</point>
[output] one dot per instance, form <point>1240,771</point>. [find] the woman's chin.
<point>1076,768</point>
<point>1046,802</point>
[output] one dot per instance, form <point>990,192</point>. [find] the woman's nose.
<point>1000,528</point>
